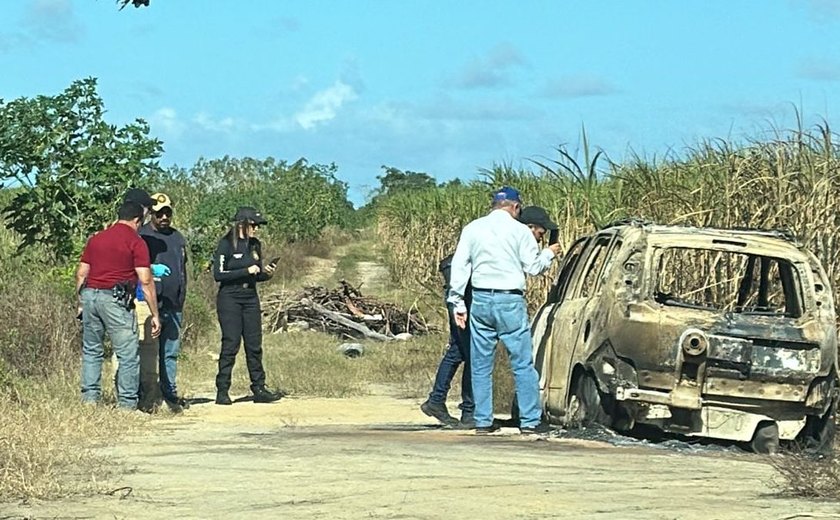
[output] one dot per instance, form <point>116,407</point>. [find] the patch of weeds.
<point>46,440</point>
<point>802,475</point>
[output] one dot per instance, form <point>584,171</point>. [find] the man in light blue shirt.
<point>494,253</point>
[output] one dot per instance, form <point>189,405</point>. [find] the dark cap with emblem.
<point>249,214</point>
<point>537,216</point>
<point>140,197</point>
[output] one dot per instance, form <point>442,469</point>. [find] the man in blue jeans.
<point>112,263</point>
<point>494,253</point>
<point>159,356</point>
<point>458,348</point>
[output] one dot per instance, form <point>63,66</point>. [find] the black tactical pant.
<point>238,310</point>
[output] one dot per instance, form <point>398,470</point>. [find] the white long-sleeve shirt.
<point>496,251</point>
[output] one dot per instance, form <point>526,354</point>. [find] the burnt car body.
<point>725,334</point>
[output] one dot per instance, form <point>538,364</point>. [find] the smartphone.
<point>273,262</point>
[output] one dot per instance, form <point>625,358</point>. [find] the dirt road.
<point>379,457</point>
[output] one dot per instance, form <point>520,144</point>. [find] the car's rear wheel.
<point>587,404</point>
<point>819,432</point>
<point>766,438</point>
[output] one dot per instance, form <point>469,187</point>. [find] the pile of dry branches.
<point>343,312</point>
<point>808,476</point>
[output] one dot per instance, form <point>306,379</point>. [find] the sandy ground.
<point>373,276</point>
<point>379,457</point>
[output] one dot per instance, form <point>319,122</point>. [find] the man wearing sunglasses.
<point>159,356</point>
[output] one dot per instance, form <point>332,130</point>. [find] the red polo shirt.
<point>113,254</point>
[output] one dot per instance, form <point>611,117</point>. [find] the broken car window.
<point>595,263</point>
<point>727,281</point>
<point>561,285</point>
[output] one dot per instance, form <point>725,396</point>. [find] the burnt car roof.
<point>774,240</point>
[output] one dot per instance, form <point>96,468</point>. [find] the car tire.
<point>818,435</point>
<point>766,438</point>
<point>587,405</point>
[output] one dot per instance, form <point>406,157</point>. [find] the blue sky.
<point>445,88</point>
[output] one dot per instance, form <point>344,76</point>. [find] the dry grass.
<point>806,476</point>
<point>308,363</point>
<point>46,440</point>
<point>46,435</point>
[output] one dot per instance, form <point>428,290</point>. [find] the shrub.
<point>299,200</point>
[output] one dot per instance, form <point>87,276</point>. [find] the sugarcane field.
<point>357,260</point>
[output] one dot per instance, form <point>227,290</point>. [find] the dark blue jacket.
<point>170,249</point>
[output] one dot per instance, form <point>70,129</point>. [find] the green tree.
<point>397,181</point>
<point>70,168</point>
<point>298,199</point>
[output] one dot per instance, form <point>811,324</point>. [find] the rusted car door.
<point>543,322</point>
<point>573,320</point>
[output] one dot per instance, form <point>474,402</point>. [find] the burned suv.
<point>724,334</point>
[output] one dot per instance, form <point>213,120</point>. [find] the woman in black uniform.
<point>238,266</point>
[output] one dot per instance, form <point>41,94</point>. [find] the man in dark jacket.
<point>457,353</point>
<point>159,356</point>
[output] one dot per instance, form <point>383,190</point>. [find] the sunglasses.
<point>163,213</point>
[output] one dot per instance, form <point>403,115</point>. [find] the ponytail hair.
<point>238,228</point>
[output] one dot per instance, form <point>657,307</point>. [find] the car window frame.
<point>560,287</point>
<point>577,278</point>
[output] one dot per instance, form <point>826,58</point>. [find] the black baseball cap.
<point>140,197</point>
<point>537,216</point>
<point>247,213</point>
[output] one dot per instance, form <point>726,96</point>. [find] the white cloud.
<point>491,70</point>
<point>819,70</point>
<point>324,105</point>
<point>11,41</point>
<point>53,20</point>
<point>166,120</point>
<point>206,122</point>
<point>298,83</point>
<point>286,24</point>
<point>447,108</point>
<point>578,86</point>
<point>820,10</point>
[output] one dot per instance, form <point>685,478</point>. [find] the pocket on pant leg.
<point>511,317</point>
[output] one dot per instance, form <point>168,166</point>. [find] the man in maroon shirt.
<point>112,263</point>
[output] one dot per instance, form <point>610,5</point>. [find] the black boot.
<point>222,397</point>
<point>264,395</point>
<point>438,411</point>
<point>176,404</point>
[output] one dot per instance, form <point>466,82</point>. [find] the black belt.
<point>238,285</point>
<point>499,291</point>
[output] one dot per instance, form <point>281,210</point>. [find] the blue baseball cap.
<point>506,193</point>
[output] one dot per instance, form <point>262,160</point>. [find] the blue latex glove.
<point>138,294</point>
<point>159,270</point>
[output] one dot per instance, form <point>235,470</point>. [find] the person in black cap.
<point>493,255</point>
<point>458,348</point>
<point>238,266</point>
<point>141,197</point>
<point>537,220</point>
